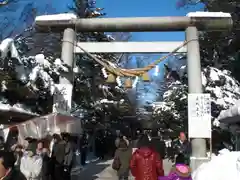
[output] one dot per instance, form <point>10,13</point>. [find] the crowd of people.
<point>51,158</point>
<point>143,157</point>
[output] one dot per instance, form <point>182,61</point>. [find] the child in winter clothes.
<point>180,171</point>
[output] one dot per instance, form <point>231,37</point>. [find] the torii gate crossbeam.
<point>133,24</point>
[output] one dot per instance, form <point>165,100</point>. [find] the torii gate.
<point>191,24</point>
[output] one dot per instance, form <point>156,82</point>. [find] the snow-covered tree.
<point>219,83</point>
<point>30,68</point>
<point>171,114</point>
<point>220,49</point>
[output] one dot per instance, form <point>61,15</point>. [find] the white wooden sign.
<point>62,99</point>
<point>199,116</point>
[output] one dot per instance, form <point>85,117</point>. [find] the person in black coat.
<point>47,166</point>
<point>182,146</point>
<point>68,156</point>
<point>7,169</point>
<point>58,155</point>
<point>83,148</point>
<point>136,139</point>
<point>100,145</point>
<point>159,145</point>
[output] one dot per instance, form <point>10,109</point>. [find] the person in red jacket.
<point>146,164</point>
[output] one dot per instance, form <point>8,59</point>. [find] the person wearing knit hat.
<point>32,146</point>
<point>31,163</point>
<point>29,140</point>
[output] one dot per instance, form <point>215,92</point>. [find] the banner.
<point>199,116</point>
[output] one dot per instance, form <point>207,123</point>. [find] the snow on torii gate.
<point>191,24</point>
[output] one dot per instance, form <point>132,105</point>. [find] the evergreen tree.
<point>28,81</point>
<point>220,49</point>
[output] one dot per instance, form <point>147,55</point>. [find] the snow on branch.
<point>223,88</point>
<point>38,73</point>
<point>29,69</point>
<point>209,14</point>
<point>16,108</point>
<point>53,17</point>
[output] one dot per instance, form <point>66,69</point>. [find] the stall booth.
<point>230,119</point>
<point>42,127</point>
<point>10,115</point>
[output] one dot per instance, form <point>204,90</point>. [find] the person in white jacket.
<point>31,163</point>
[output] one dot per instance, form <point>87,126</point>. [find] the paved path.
<point>95,171</point>
<point>103,171</point>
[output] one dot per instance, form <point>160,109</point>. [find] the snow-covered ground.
<point>102,170</point>
<point>222,167</point>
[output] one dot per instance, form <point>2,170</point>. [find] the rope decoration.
<point>117,71</point>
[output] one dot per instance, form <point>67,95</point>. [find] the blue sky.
<point>147,8</point>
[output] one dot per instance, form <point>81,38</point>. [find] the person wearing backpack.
<point>122,159</point>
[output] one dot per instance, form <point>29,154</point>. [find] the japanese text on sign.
<point>199,115</point>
